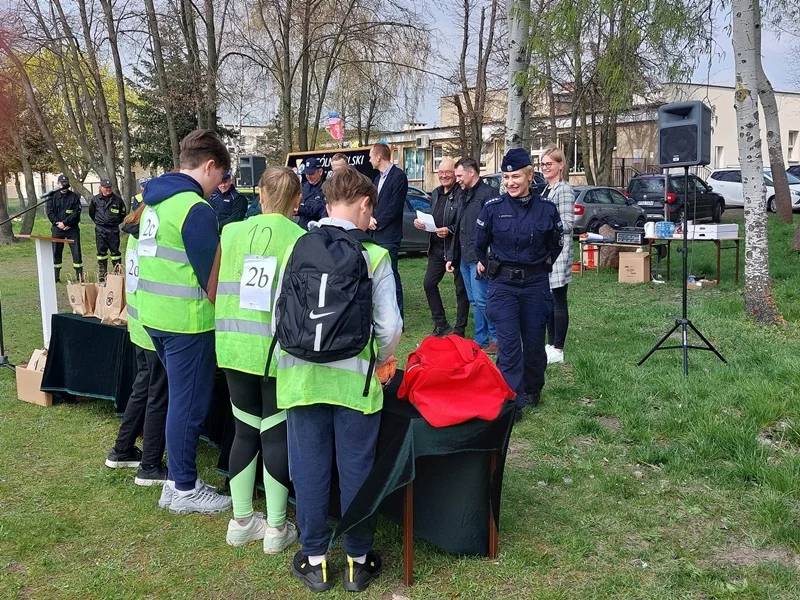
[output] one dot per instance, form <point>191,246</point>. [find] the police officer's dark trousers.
<point>520,310</point>
<point>107,239</point>
<point>74,234</point>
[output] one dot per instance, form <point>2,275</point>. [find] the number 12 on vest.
<point>255,287</point>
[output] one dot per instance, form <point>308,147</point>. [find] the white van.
<point>728,182</point>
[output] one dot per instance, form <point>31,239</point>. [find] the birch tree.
<point>759,302</point>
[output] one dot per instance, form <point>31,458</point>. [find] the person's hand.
<point>442,232</point>
<point>373,224</point>
<point>449,266</point>
<point>481,268</point>
<point>419,224</point>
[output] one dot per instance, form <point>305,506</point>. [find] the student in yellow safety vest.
<point>243,288</point>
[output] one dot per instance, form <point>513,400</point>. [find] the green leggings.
<point>260,428</point>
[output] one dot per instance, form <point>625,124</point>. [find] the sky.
<point>779,47</point>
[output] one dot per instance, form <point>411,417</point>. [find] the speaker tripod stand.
<point>684,324</point>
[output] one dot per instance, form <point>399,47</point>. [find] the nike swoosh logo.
<point>314,315</point>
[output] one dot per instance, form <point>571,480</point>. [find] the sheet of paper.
<point>427,220</point>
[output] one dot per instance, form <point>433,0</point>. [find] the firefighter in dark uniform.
<point>313,206</point>
<point>525,235</point>
<point>227,202</point>
<point>64,212</point>
<point>107,210</point>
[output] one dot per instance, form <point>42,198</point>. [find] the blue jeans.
<point>191,367</point>
<point>312,432</point>
<point>520,310</point>
<point>476,292</point>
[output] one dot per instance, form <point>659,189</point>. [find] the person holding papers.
<point>444,207</point>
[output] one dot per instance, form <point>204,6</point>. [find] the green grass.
<point>628,482</point>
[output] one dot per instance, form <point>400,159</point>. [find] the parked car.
<point>496,181</point>
<point>651,193</point>
<point>593,202</point>
<point>415,240</point>
<point>728,182</point>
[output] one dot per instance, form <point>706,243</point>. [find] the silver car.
<point>593,202</point>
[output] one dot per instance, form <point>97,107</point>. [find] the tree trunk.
<point>518,66</point>
<point>125,135</point>
<point>758,300</point>
<point>161,76</point>
<point>6,231</point>
<point>766,94</point>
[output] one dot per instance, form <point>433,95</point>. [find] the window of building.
<point>414,163</point>
<point>437,153</point>
<point>792,146</point>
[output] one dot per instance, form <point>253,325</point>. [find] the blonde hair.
<point>279,188</point>
<point>557,154</point>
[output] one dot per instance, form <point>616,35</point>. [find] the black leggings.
<point>559,320</point>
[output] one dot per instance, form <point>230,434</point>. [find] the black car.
<point>648,191</point>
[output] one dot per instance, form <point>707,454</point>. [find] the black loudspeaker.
<point>251,168</point>
<point>684,134</point>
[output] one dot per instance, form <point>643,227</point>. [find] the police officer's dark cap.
<point>105,183</point>
<point>227,176</point>
<point>312,164</point>
<point>63,179</point>
<point>516,159</point>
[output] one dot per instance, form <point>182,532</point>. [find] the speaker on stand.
<point>684,140</point>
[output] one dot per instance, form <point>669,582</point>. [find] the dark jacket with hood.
<point>200,232</point>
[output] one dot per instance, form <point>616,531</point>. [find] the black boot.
<point>102,269</point>
<point>57,271</point>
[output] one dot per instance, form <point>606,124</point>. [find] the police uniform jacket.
<point>107,211</point>
<point>312,204</point>
<point>230,207</point>
<point>520,235</point>
<point>64,208</point>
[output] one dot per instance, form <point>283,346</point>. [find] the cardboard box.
<point>634,267</point>
<point>29,380</point>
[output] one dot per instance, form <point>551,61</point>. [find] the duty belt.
<point>515,273</point>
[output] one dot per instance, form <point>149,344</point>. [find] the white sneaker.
<point>166,494</point>
<point>202,499</point>
<point>277,540</point>
<point>555,356</point>
<point>240,535</point>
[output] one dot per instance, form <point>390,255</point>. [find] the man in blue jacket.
<point>227,202</point>
<point>387,221</point>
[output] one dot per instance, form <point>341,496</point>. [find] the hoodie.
<point>200,231</point>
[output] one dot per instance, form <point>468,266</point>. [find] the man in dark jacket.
<point>444,208</point>
<point>107,210</point>
<point>461,253</point>
<point>64,212</point>
<point>312,205</point>
<point>387,220</point>
<point>227,202</point>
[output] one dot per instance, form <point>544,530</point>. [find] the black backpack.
<point>324,310</point>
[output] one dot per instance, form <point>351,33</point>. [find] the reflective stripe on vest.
<point>244,335</point>
<point>303,383</point>
<point>138,335</point>
<point>169,295</point>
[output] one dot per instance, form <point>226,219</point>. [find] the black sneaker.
<point>124,460</point>
<point>442,331</point>
<point>357,577</point>
<point>151,475</point>
<point>316,579</point>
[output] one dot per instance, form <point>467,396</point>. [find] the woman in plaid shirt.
<point>559,192</point>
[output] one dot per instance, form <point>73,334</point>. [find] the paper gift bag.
<point>111,301</point>
<point>82,297</point>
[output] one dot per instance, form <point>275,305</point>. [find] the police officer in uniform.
<point>525,235</point>
<point>64,212</point>
<point>107,210</point>
<point>227,202</point>
<point>312,202</point>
